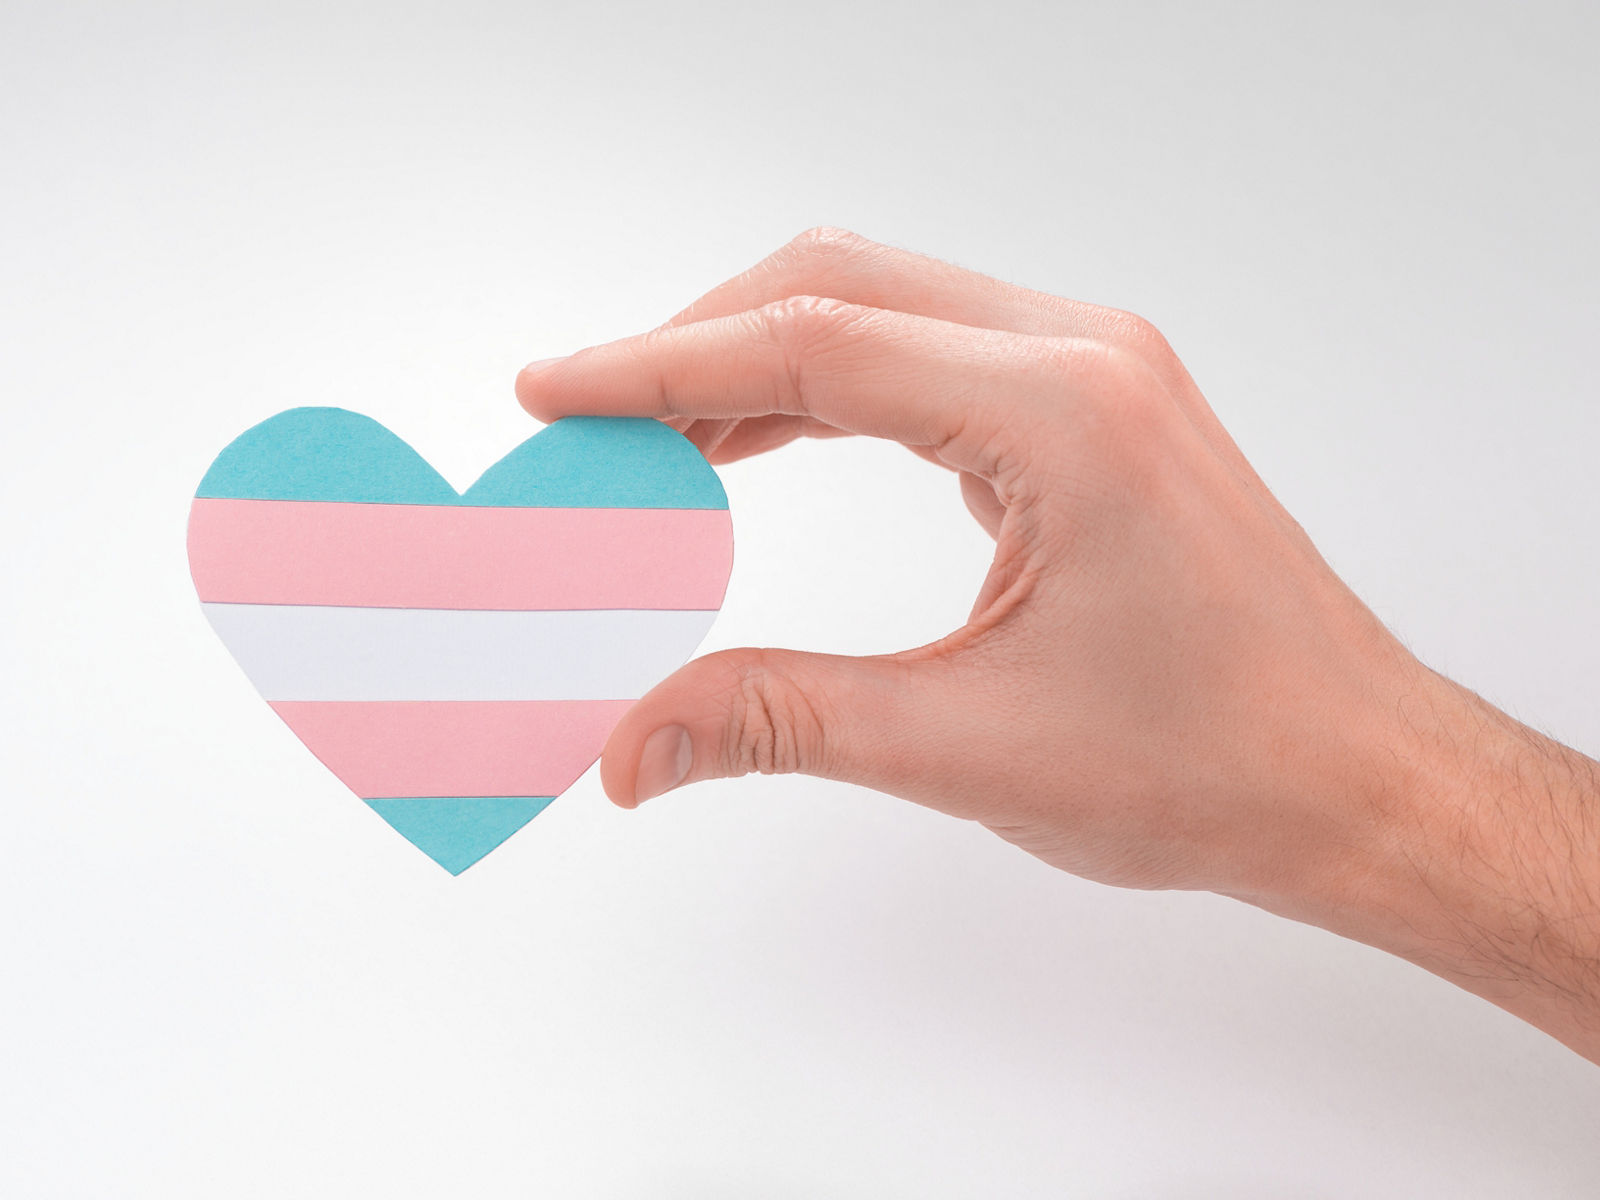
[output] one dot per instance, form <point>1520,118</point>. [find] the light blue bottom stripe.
<point>456,831</point>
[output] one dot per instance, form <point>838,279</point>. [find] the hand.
<point>1161,684</point>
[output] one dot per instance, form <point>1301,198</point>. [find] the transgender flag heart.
<point>458,660</point>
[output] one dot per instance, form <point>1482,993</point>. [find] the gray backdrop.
<point>1369,230</point>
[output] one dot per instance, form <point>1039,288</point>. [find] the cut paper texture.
<point>458,660</point>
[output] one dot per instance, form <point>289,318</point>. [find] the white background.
<point>1369,230</point>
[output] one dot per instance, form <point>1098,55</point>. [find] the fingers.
<point>840,265</point>
<point>862,720</point>
<point>967,394</point>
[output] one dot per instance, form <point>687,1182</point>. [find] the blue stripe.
<point>330,454</point>
<point>324,454</point>
<point>456,831</point>
<point>602,462</point>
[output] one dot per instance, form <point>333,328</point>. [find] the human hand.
<point>1161,683</point>
<point>1157,653</point>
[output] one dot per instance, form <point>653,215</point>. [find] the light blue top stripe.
<point>330,454</point>
<point>602,462</point>
<point>324,454</point>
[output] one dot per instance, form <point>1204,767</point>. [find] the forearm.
<point>1480,861</point>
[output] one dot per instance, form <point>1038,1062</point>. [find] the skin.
<point>1177,691</point>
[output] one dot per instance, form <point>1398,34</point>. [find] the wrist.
<point>1471,847</point>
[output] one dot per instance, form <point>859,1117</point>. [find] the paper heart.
<point>458,660</point>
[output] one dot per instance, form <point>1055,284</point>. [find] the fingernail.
<point>540,364</point>
<point>664,762</point>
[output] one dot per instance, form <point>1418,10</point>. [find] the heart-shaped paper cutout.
<point>458,660</point>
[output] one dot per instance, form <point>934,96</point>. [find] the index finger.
<point>959,391</point>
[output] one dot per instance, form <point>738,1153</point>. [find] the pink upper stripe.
<point>454,748</point>
<point>443,556</point>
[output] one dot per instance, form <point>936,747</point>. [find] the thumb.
<point>773,711</point>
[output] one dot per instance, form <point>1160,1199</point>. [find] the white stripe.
<point>302,652</point>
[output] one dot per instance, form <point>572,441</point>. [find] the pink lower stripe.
<point>454,748</point>
<point>441,556</point>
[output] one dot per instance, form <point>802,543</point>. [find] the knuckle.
<point>1096,368</point>
<point>772,729</point>
<point>801,330</point>
<point>1087,368</point>
<point>1120,405</point>
<point>805,316</point>
<point>1136,333</point>
<point>826,242</point>
<point>1132,398</point>
<point>1125,372</point>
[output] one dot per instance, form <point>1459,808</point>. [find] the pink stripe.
<point>454,748</point>
<point>441,556</point>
